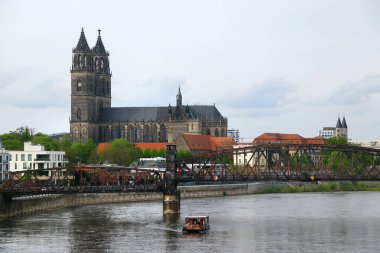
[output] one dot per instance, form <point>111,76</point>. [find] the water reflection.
<point>257,223</point>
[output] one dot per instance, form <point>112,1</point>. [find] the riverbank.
<point>321,187</point>
<point>40,203</point>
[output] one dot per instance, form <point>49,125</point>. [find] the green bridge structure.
<point>259,162</point>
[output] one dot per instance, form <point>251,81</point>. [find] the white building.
<point>341,130</point>
<point>367,143</point>
<point>4,160</point>
<point>327,132</point>
<point>35,157</point>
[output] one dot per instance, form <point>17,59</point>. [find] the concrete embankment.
<point>39,203</point>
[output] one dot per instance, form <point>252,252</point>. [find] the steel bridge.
<point>254,163</point>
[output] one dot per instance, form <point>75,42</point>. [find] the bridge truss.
<point>253,163</point>
<point>284,162</point>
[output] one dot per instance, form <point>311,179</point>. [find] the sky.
<point>269,66</point>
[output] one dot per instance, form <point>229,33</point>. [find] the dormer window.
<point>79,86</point>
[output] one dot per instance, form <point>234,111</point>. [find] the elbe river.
<point>304,222</point>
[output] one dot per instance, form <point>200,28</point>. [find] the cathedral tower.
<point>90,88</point>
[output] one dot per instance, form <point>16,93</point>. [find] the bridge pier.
<point>171,196</point>
<point>171,202</point>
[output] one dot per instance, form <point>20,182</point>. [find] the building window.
<point>22,157</point>
<point>79,114</point>
<point>24,165</point>
<point>15,166</point>
<point>29,157</point>
<point>79,86</point>
<point>16,157</point>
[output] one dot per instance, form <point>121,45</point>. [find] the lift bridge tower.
<point>171,196</point>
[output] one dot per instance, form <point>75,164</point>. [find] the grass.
<point>324,187</point>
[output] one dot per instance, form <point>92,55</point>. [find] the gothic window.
<point>138,133</point>
<point>96,63</point>
<point>147,133</point>
<point>101,63</point>
<point>223,133</point>
<point>79,59</point>
<point>79,86</point>
<point>216,132</point>
<point>208,131</point>
<point>131,133</point>
<point>85,60</point>
<point>154,133</point>
<point>79,114</point>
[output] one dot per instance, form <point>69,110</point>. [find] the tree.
<point>121,152</point>
<point>81,152</point>
<point>12,141</point>
<point>340,141</point>
<point>46,141</point>
<point>181,153</point>
<point>65,142</point>
<point>26,133</point>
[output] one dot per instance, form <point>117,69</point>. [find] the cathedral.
<point>92,116</point>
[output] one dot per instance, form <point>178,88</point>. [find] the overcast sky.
<point>269,66</point>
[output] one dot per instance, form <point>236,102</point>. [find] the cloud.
<point>267,95</point>
<point>151,92</point>
<point>356,92</point>
<point>26,89</point>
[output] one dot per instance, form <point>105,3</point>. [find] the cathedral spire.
<point>338,123</point>
<point>82,43</point>
<point>344,124</point>
<point>99,47</point>
<point>179,97</point>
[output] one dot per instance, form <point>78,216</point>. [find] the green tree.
<point>340,141</point>
<point>12,141</point>
<point>65,142</point>
<point>26,133</point>
<point>181,153</point>
<point>121,152</point>
<point>46,141</point>
<point>81,152</point>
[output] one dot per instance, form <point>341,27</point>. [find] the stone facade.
<point>92,116</point>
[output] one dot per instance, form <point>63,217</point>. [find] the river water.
<point>305,222</point>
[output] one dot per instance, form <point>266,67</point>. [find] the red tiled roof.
<point>288,138</point>
<point>206,142</point>
<point>151,145</point>
<point>197,142</point>
<point>315,140</point>
<point>281,138</point>
<point>218,143</point>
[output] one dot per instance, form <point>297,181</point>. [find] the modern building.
<point>35,157</point>
<point>340,130</point>
<point>235,134</point>
<point>327,132</point>
<point>4,162</point>
<point>367,143</point>
<point>92,116</point>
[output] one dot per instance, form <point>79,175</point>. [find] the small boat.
<point>196,224</point>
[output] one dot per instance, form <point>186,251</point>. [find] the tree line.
<point>120,151</point>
